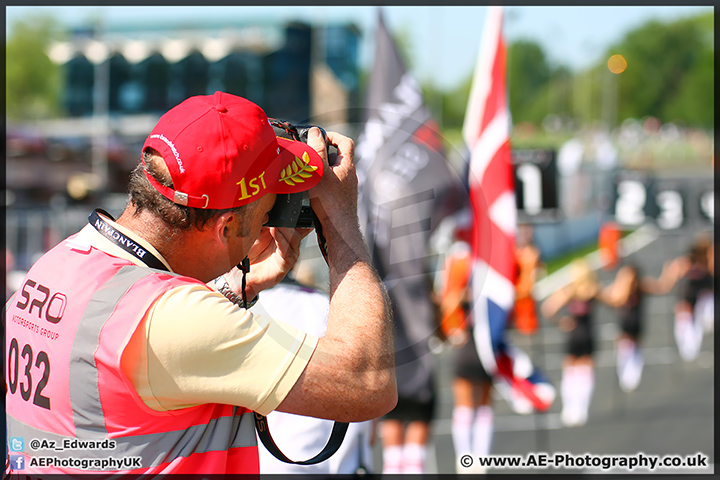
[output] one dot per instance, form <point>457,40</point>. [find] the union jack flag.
<point>486,131</point>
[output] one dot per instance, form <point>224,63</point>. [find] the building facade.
<point>117,81</point>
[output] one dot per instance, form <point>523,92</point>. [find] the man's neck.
<point>167,241</point>
<point>189,252</point>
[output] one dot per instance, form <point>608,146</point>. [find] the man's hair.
<point>143,196</point>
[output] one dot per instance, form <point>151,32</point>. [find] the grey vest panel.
<point>84,388</point>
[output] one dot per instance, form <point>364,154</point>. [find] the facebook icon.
<point>17,462</point>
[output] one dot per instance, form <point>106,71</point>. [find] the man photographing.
<point>137,330</point>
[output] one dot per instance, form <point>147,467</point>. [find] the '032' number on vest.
<point>40,367</point>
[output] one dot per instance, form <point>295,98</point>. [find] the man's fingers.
<point>345,145</point>
<point>289,239</point>
<point>316,141</point>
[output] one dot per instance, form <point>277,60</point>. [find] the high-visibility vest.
<point>71,408</point>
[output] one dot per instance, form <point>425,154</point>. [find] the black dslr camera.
<point>293,210</point>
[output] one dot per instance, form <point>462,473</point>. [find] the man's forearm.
<point>358,347</point>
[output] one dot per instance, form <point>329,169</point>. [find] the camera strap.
<point>322,243</point>
<point>122,241</point>
<point>337,435</point>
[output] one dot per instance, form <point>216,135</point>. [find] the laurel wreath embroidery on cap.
<point>297,171</point>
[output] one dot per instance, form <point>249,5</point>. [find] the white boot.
<point>633,371</point>
<point>586,385</point>
<point>686,336</point>
<point>571,412</point>
<point>462,424</point>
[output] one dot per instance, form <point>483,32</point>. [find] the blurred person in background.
<point>694,309</point>
<point>626,293</point>
<point>608,245</point>
<point>405,433</point>
<point>406,430</point>
<point>145,319</point>
<point>472,416</point>
<point>704,310</point>
<point>297,301</point>
<point>708,311</point>
<point>578,375</point>
<point>529,266</point>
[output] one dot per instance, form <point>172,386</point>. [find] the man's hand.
<point>335,197</point>
<point>351,375</point>
<point>272,256</point>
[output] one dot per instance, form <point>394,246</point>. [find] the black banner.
<point>406,188</point>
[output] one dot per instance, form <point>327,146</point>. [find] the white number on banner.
<point>707,204</point>
<point>629,209</point>
<point>530,176</point>
<point>671,209</point>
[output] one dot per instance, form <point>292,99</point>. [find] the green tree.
<point>694,101</point>
<point>447,106</point>
<point>695,97</point>
<point>555,97</point>
<point>670,75</point>
<point>661,59</point>
<point>32,80</point>
<point>528,74</point>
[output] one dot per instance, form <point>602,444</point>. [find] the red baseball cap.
<point>223,153</point>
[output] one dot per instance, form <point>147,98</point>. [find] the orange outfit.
<point>608,239</point>
<point>528,259</point>
<point>455,283</point>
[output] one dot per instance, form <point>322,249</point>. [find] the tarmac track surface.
<point>672,412</point>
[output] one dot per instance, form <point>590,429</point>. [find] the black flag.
<point>406,188</point>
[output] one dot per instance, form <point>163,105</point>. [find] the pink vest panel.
<point>66,330</point>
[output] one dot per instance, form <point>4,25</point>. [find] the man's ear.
<point>221,227</point>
